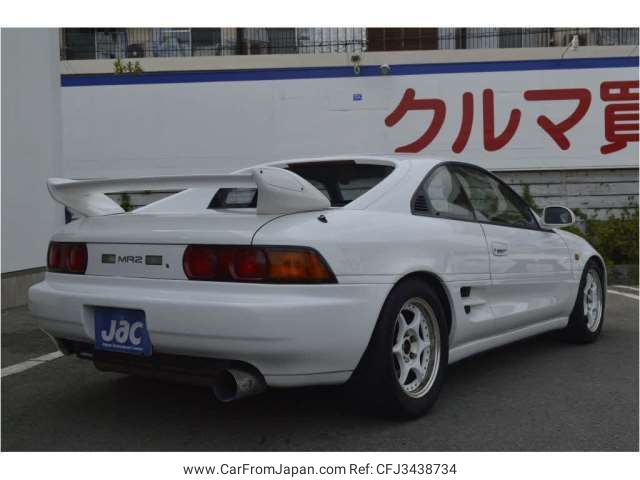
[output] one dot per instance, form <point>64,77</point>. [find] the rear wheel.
<point>403,368</point>
<point>587,317</point>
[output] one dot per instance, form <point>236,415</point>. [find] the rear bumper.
<point>293,334</point>
<point>177,368</point>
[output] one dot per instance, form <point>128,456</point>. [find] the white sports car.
<point>378,270</point>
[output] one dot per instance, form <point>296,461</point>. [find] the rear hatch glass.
<point>341,182</point>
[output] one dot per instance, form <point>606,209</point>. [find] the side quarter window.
<point>441,195</point>
<point>492,200</point>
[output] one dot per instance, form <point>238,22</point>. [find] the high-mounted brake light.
<point>67,257</point>
<point>224,263</point>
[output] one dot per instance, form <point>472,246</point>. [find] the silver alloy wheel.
<point>592,300</point>
<point>416,347</point>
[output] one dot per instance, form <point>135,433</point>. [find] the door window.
<point>442,195</point>
<point>492,200</point>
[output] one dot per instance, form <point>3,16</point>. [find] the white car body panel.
<point>313,334</point>
<point>455,251</point>
<point>531,276</point>
<point>169,228</point>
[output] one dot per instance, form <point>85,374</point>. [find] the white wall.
<point>115,130</point>
<point>31,144</point>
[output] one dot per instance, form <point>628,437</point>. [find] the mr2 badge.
<point>148,259</point>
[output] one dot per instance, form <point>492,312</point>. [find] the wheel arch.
<point>601,263</point>
<point>439,286</point>
<point>599,260</point>
<point>444,296</point>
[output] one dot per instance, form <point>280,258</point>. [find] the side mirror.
<point>555,216</point>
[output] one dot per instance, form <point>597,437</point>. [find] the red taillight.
<point>67,257</point>
<point>55,257</point>
<point>77,258</point>
<point>199,262</point>
<point>255,264</point>
<point>249,264</point>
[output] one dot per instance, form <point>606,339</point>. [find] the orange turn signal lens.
<point>297,266</point>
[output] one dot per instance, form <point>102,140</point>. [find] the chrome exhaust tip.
<point>234,384</point>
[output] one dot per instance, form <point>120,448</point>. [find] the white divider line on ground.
<point>623,294</point>
<point>26,365</point>
<point>626,287</point>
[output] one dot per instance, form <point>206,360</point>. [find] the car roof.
<point>387,189</point>
<point>393,192</point>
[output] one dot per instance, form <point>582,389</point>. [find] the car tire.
<point>410,337</point>
<point>587,316</point>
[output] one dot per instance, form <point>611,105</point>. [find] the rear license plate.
<point>122,330</point>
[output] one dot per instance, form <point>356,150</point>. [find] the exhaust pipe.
<point>233,384</point>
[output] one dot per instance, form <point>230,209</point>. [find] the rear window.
<point>340,182</point>
<point>235,198</point>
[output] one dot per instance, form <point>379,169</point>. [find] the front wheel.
<point>403,368</point>
<point>587,317</point>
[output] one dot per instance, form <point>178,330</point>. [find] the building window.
<point>172,42</point>
<point>282,40</point>
<point>111,43</point>
<point>510,38</point>
<point>394,39</point>
<point>79,44</point>
<point>206,41</point>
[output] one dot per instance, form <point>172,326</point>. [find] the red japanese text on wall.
<point>617,101</point>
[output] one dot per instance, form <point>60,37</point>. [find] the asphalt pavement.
<point>539,394</point>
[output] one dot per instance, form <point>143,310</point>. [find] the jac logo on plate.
<point>121,330</point>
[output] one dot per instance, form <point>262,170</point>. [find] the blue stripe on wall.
<point>342,72</point>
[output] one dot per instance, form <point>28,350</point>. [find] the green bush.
<point>527,197</point>
<point>616,238</point>
<point>125,202</point>
<point>120,67</point>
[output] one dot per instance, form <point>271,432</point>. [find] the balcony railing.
<point>106,43</point>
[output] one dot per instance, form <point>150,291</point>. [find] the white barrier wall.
<point>562,115</point>
<point>31,145</point>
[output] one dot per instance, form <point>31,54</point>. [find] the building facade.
<point>111,43</point>
<point>234,81</point>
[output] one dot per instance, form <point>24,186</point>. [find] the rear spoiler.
<point>279,191</point>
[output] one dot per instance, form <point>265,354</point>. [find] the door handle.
<point>499,249</point>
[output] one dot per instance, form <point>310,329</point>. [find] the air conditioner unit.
<point>135,50</point>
